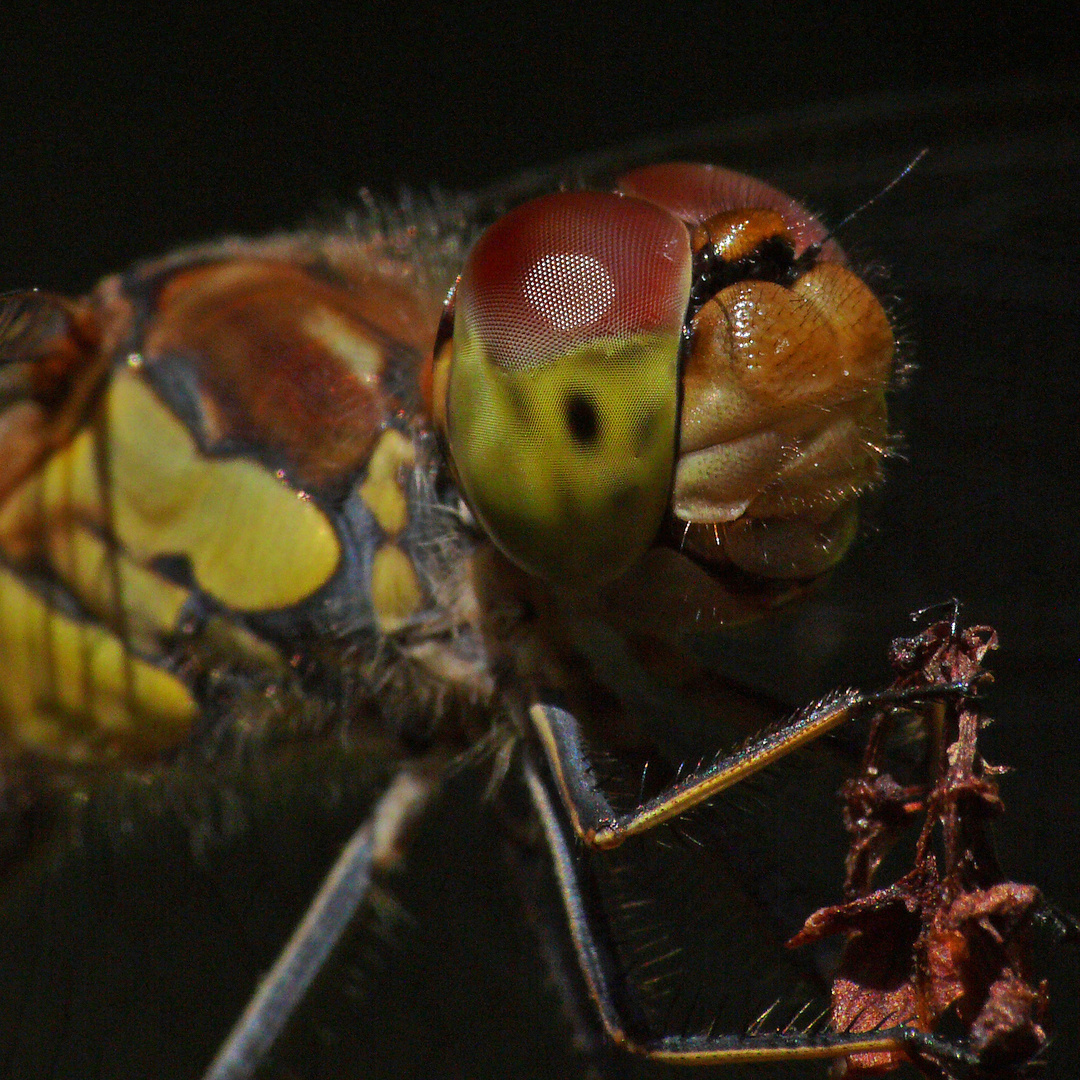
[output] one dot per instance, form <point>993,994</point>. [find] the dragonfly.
<point>304,691</point>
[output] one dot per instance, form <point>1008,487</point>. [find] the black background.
<point>126,131</point>
<point>125,135</point>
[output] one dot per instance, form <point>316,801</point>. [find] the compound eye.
<point>561,396</point>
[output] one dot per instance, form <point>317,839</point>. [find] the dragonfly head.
<point>687,359</point>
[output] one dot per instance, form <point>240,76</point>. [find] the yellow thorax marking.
<point>381,490</point>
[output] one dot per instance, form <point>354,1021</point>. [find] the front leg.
<point>624,1023</point>
<point>599,825</point>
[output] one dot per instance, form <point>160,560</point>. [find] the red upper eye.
<point>562,270</point>
<point>696,192</point>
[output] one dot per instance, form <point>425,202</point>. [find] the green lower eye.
<point>561,407</point>
<point>562,480</point>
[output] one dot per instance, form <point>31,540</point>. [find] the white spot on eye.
<point>569,289</point>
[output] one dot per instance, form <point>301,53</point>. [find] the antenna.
<point>809,256</point>
<point>884,191</point>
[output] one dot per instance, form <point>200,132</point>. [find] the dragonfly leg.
<point>375,846</point>
<point>599,825</point>
<point>623,1021</point>
<point>530,866</point>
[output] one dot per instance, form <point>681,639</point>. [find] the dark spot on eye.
<point>517,401</point>
<point>582,419</point>
<point>644,430</point>
<point>626,501</point>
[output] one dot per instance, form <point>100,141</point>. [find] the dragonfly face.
<point>360,617</point>
<point>560,415</point>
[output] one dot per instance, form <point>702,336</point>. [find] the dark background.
<point>127,132</point>
<point>122,136</point>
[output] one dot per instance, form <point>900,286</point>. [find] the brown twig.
<point>948,941</point>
